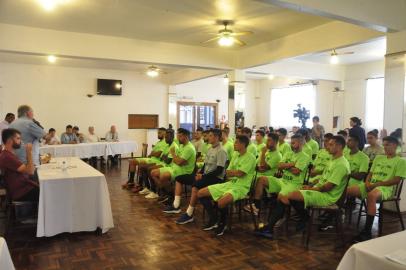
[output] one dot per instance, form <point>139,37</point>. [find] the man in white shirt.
<point>6,122</point>
<point>112,135</point>
<point>92,137</point>
<point>51,138</point>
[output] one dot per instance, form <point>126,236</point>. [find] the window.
<point>374,104</point>
<point>285,100</point>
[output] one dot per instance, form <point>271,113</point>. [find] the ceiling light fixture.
<point>226,41</point>
<point>50,5</point>
<point>334,58</point>
<point>153,71</point>
<point>225,79</point>
<point>271,77</point>
<point>51,58</point>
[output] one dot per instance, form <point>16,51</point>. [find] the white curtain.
<point>374,104</point>
<point>285,100</point>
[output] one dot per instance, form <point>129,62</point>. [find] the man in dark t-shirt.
<point>17,174</point>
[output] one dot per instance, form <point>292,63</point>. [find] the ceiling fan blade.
<point>239,42</point>
<point>346,53</point>
<point>210,40</point>
<point>241,33</point>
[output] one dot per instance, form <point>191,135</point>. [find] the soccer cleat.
<point>184,218</point>
<point>247,208</point>
<point>151,195</point>
<point>170,209</point>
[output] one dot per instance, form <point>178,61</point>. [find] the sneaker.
<point>210,226</point>
<point>145,191</point>
<point>170,209</point>
<point>247,208</point>
<point>264,232</point>
<point>184,218</point>
<point>151,195</point>
<point>136,189</point>
<point>325,226</point>
<point>163,198</point>
<point>362,236</point>
<point>221,228</point>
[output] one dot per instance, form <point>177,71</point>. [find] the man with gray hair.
<point>31,132</point>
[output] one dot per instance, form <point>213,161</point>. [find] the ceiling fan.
<point>334,56</point>
<point>154,71</point>
<point>227,37</point>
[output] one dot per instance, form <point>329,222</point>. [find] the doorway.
<point>192,115</point>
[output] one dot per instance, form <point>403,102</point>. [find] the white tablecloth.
<point>5,260</point>
<point>370,255</point>
<point>73,200</point>
<point>87,150</point>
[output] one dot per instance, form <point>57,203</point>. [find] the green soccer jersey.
<point>188,153</point>
<point>229,147</point>
<point>160,146</point>
<point>384,168</point>
<point>284,148</point>
<point>272,159</point>
<point>346,151</point>
<point>359,163</point>
<point>165,150</point>
<point>301,160</point>
<point>322,159</point>
<point>308,150</point>
<point>314,146</point>
<point>252,149</point>
<point>245,163</point>
<point>336,173</point>
<point>259,147</point>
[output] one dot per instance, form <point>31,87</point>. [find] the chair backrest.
<point>251,192</point>
<point>144,152</point>
<point>397,191</point>
<point>307,174</point>
<point>341,201</point>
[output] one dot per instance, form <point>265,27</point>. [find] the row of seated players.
<point>280,169</point>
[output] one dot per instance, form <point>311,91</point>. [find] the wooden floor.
<point>145,238</point>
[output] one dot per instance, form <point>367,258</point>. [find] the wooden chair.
<point>395,198</point>
<point>144,154</point>
<point>337,208</point>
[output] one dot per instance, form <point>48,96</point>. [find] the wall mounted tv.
<point>109,87</point>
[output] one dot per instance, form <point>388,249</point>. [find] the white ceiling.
<point>177,21</point>
<point>366,52</point>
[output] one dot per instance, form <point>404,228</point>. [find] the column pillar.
<point>236,97</point>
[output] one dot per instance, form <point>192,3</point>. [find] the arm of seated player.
<point>178,160</point>
<point>262,162</point>
<point>156,154</point>
<point>323,188</point>
<point>315,172</point>
<point>358,175</point>
<point>216,172</point>
<point>390,182</point>
<point>284,166</point>
<point>235,173</point>
<point>295,171</point>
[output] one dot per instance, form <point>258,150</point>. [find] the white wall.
<point>58,97</point>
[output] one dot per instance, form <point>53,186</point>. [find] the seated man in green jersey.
<point>251,147</point>
<point>267,165</point>
<point>227,143</point>
<point>259,140</point>
<point>326,192</point>
<point>183,162</point>
<point>321,161</point>
<point>344,133</point>
<point>386,172</point>
<point>293,166</point>
<point>153,158</point>
<point>239,173</point>
<point>311,147</point>
<point>359,162</point>
<point>283,147</point>
<point>149,189</point>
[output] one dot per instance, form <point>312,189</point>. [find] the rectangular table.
<point>370,255</point>
<point>73,200</point>
<point>5,260</point>
<point>88,150</point>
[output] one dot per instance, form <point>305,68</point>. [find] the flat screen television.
<point>109,87</point>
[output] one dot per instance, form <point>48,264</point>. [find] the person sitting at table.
<point>91,137</point>
<point>17,175</point>
<point>386,172</point>
<point>112,136</point>
<point>51,138</point>
<point>79,135</point>
<point>68,137</point>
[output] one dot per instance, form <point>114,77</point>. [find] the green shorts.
<point>148,160</point>
<point>355,182</point>
<point>386,192</point>
<point>283,187</point>
<point>317,198</point>
<point>167,170</point>
<point>238,191</point>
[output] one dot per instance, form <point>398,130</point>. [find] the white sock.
<point>190,211</point>
<point>176,202</point>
